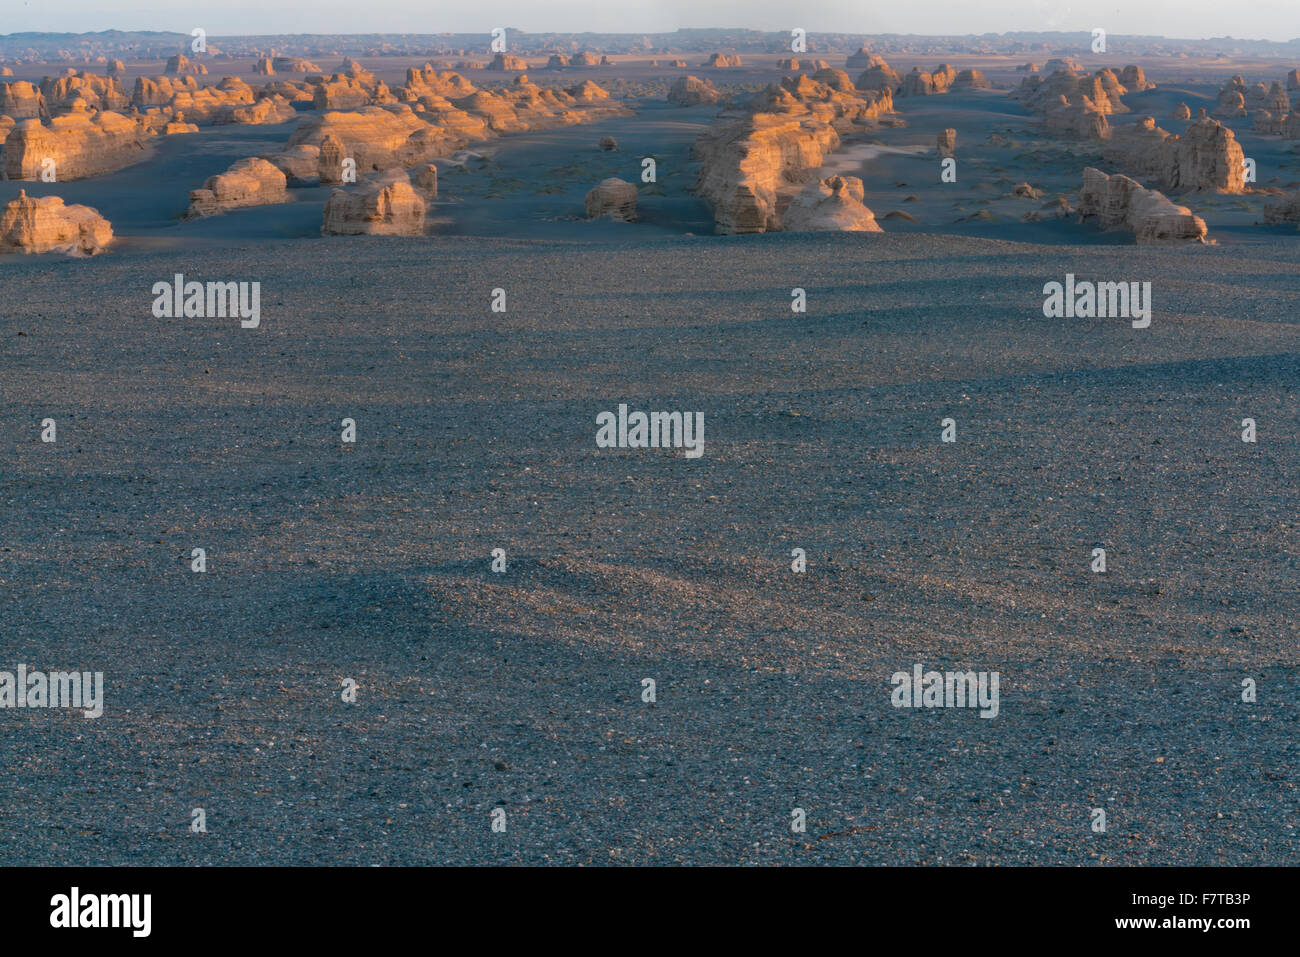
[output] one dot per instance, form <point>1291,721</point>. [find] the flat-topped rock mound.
<point>45,225</point>
<point>387,205</point>
<point>249,182</point>
<point>79,145</point>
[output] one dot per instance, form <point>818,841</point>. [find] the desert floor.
<point>476,430</point>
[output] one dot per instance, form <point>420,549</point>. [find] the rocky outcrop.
<point>1181,112</point>
<point>293,64</point>
<point>612,199</point>
<point>585,59</point>
<point>1073,104</point>
<point>81,145</point>
<point>1067,65</point>
<point>425,179</point>
<point>755,160</point>
<point>98,92</point>
<point>971,80</point>
<point>180,64</point>
<point>878,75</point>
<point>512,64</point>
<point>833,204</point>
<point>341,93</point>
<point>159,90</point>
<point>268,110</point>
<point>1293,80</point>
<point>1207,157</point>
<point>947,143</point>
<point>722,61</point>
<point>1285,210</point>
<point>1135,79</point>
<point>377,137</point>
<point>1077,119</point>
<point>385,206</point>
<point>692,91</point>
<point>264,67</point>
<point>430,124</point>
<point>21,100</point>
<point>1275,101</point>
<point>917,83</point>
<point>250,182</point>
<point>557,61</point>
<point>1119,202</point>
<point>1232,99</point>
<point>46,225</point>
<point>862,60</point>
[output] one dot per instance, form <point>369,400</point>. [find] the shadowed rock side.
<point>250,182</point>
<point>1207,157</point>
<point>614,199</point>
<point>754,160</point>
<point>1118,202</point>
<point>46,225</point>
<point>388,205</point>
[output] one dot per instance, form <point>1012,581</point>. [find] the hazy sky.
<point>1256,19</point>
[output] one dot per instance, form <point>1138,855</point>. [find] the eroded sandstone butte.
<point>45,225</point>
<point>79,144</point>
<point>1118,202</point>
<point>249,182</point>
<point>612,198</point>
<point>1206,157</point>
<point>388,205</point>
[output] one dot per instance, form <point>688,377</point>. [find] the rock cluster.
<point>442,112</point>
<point>1119,202</point>
<point>504,61</point>
<point>755,159</point>
<point>1074,104</point>
<point>98,92</point>
<point>613,199</point>
<point>947,143</point>
<point>181,64</point>
<point>723,61</point>
<point>917,83</point>
<point>1206,157</point>
<point>46,225</point>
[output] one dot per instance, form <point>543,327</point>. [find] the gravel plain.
<point>523,690</point>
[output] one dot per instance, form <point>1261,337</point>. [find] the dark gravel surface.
<point>522,690</point>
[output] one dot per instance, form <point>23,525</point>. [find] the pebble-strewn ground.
<point>476,431</point>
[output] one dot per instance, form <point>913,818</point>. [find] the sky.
<point>1258,19</point>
